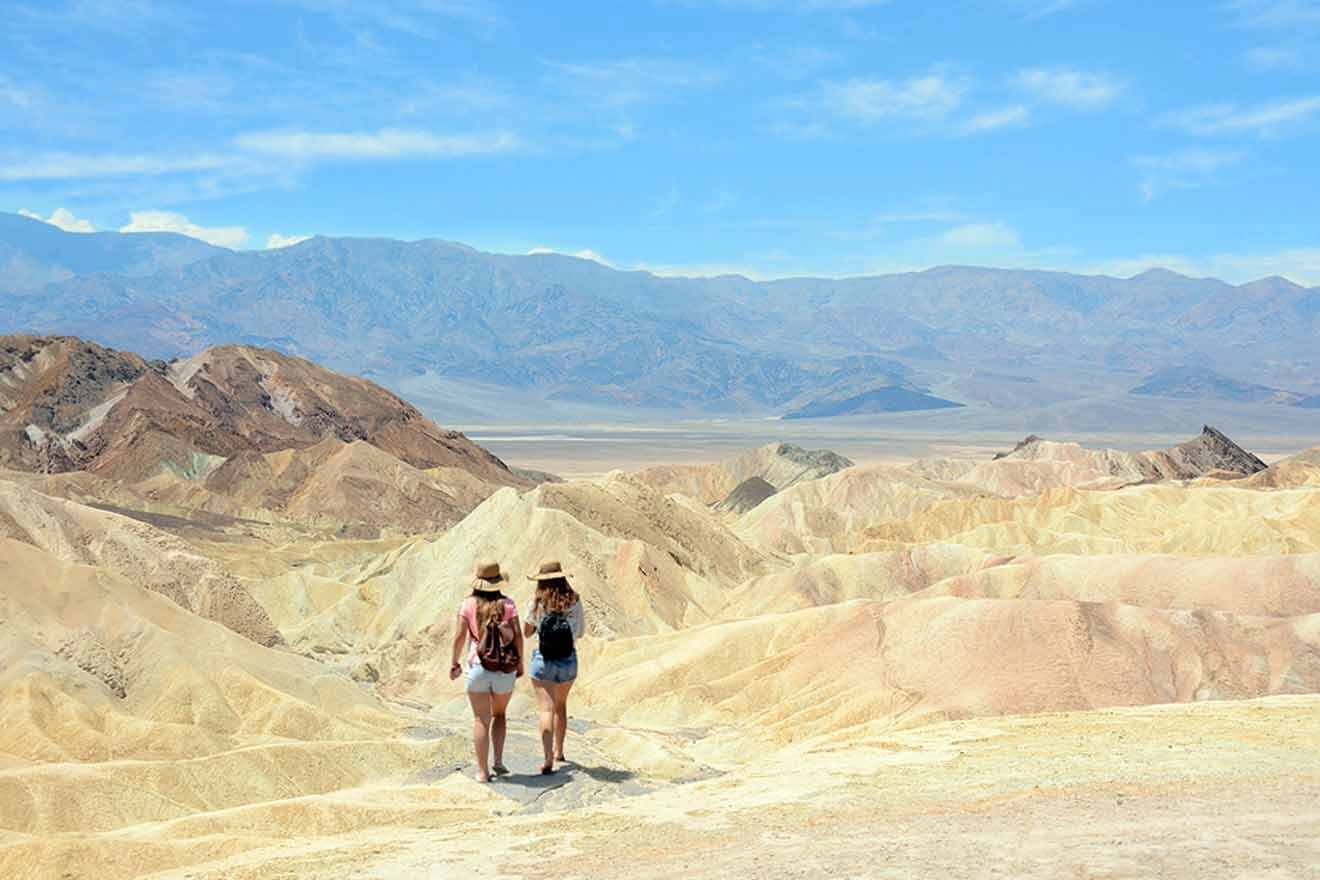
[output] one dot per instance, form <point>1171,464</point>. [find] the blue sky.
<point>765,137</point>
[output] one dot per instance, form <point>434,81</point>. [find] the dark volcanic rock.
<point>746,495</point>
<point>1026,442</point>
<point>1211,451</point>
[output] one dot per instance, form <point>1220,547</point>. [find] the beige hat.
<point>549,570</point>
<point>485,570</point>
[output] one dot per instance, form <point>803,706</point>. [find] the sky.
<point>764,137</point>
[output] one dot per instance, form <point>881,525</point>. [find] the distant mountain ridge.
<point>34,254</point>
<point>572,330</point>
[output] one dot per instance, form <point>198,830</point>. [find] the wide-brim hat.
<point>489,572</point>
<point>549,570</point>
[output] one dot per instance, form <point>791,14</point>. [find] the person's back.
<point>488,620</point>
<point>558,621</point>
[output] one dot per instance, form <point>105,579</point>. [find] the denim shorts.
<point>555,671</point>
<point>481,680</point>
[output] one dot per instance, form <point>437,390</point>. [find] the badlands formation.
<point>227,588</point>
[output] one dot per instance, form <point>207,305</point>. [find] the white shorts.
<point>481,680</point>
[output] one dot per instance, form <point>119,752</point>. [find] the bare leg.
<point>499,726</point>
<point>545,722</point>
<point>481,732</point>
<point>561,717</point>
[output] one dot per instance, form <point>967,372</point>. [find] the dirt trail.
<point>1211,789</point>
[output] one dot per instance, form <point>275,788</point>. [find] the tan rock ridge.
<point>781,465</point>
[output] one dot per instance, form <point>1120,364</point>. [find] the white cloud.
<point>1184,169</point>
<point>583,254</point>
<point>168,221</point>
<point>870,101</point>
<point>275,241</point>
<point>1261,119</point>
<point>979,237</point>
<point>993,120</point>
<point>1071,88</point>
<point>69,166</point>
<point>63,218</point>
<point>386,143</point>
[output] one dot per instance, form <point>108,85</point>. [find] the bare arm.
<point>518,639</point>
<point>460,639</point>
<point>528,627</point>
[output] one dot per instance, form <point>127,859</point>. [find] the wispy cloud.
<point>992,120</point>
<point>1030,10</point>
<point>1071,88</point>
<point>63,218</point>
<point>1279,58</point>
<point>168,221</point>
<point>1293,24</point>
<point>13,95</point>
<point>1184,169</point>
<point>869,101</point>
<point>931,104</point>
<point>81,166</point>
<point>919,216</point>
<point>980,237</point>
<point>417,18</point>
<point>1274,14</point>
<point>385,143</point>
<point>625,82</point>
<point>1260,119</point>
<point>801,6</point>
<point>120,17</point>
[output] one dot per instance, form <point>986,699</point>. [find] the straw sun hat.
<point>489,572</point>
<point>549,570</point>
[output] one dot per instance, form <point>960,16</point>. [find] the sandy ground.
<point>1201,790</point>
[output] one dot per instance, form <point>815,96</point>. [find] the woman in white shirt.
<point>557,621</point>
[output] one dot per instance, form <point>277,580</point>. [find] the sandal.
<point>500,770</point>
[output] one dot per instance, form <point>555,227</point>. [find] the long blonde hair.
<point>554,595</point>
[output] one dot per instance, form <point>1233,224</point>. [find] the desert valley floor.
<point>227,588</point>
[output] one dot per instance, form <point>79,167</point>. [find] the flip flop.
<point>547,770</point>
<point>500,770</point>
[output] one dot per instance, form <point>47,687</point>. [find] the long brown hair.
<point>490,605</point>
<point>554,595</point>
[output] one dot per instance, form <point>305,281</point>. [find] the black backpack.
<point>556,636</point>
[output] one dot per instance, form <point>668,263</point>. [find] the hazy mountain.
<point>34,254</point>
<point>877,400</point>
<point>1200,383</point>
<point>560,328</point>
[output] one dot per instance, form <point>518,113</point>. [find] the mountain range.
<point>571,331</point>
